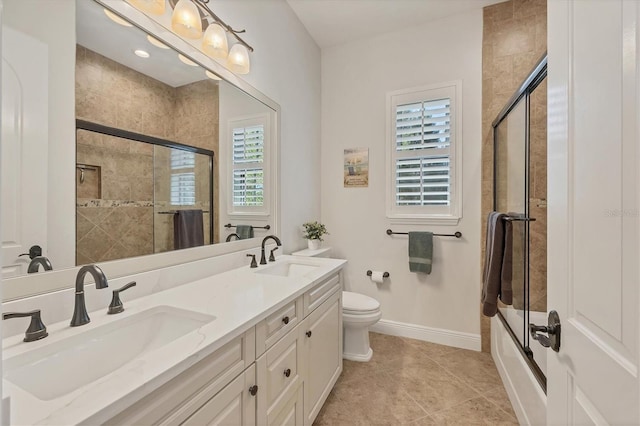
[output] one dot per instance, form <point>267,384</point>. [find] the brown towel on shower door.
<point>492,279</point>
<point>506,290</point>
<point>188,229</point>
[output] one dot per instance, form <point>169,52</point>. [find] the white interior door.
<point>593,211</point>
<point>24,142</point>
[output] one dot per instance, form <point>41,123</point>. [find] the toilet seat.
<point>359,304</point>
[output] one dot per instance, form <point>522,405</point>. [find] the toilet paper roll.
<point>377,276</point>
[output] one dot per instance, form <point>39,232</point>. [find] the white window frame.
<point>250,211</point>
<point>431,215</point>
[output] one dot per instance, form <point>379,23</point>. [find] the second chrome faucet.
<point>80,315</point>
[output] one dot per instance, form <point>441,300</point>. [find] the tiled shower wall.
<point>514,39</point>
<point>115,206</point>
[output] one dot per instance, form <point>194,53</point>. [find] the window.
<point>248,160</point>
<point>183,178</point>
<point>424,176</point>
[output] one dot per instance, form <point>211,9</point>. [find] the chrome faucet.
<point>36,262</point>
<point>263,258</point>
<point>80,316</point>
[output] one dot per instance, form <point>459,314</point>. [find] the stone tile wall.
<point>514,39</point>
<point>120,223</point>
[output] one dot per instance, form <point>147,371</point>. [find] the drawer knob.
<point>253,390</point>
<point>287,372</point>
<point>285,320</point>
<point>308,333</point>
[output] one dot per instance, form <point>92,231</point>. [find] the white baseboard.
<point>428,334</point>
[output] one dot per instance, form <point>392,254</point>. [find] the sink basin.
<point>288,269</point>
<point>69,364</point>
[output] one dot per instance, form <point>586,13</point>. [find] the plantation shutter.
<point>183,182</point>
<point>422,153</point>
<point>248,166</point>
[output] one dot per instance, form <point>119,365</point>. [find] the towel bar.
<point>519,219</point>
<point>457,234</point>
<point>267,227</point>
<point>176,212</point>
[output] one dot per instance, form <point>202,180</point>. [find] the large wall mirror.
<point>158,152</point>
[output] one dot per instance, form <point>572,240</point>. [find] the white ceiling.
<point>334,22</point>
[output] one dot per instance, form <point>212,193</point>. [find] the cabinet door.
<point>233,405</point>
<point>291,413</point>
<point>323,348</point>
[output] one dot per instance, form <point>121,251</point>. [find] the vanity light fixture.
<point>194,19</point>
<point>156,42</point>
<point>186,21</point>
<point>141,53</point>
<point>115,18</point>
<point>187,61</point>
<point>238,60</point>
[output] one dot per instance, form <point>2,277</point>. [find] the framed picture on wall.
<point>356,167</point>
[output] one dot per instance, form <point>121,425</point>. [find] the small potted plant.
<point>313,232</point>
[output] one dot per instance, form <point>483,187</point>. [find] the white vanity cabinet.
<point>279,372</point>
<point>217,374</point>
<point>297,373</point>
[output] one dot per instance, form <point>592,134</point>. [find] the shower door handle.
<point>552,329</point>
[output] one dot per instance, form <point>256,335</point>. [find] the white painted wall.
<point>286,67</point>
<point>443,306</point>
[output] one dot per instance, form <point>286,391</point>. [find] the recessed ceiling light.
<point>187,61</point>
<point>115,18</point>
<point>211,75</point>
<point>141,53</point>
<point>157,43</point>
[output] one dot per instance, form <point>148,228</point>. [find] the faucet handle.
<point>115,307</point>
<point>254,264</point>
<point>272,258</point>
<point>36,331</point>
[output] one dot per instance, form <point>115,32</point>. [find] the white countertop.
<point>238,299</point>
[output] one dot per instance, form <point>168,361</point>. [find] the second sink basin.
<point>64,366</point>
<point>288,269</point>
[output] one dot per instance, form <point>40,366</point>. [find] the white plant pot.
<point>314,244</point>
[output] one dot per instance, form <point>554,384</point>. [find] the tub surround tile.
<point>514,38</point>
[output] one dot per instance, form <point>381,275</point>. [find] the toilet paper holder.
<point>384,275</point>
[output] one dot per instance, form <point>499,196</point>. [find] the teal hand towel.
<point>244,231</point>
<point>420,251</point>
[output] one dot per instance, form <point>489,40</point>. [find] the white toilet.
<point>359,312</point>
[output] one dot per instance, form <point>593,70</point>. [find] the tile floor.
<point>418,383</point>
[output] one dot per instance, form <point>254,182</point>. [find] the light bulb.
<point>186,20</point>
<point>115,18</point>
<point>214,42</point>
<point>238,60</point>
<point>154,7</point>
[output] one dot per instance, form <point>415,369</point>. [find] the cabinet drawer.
<point>234,405</point>
<point>321,292</point>
<point>279,372</point>
<point>276,325</point>
<point>177,399</point>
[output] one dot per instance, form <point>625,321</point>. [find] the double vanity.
<point>245,346</point>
